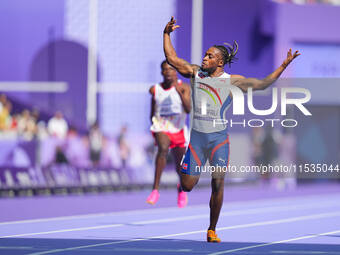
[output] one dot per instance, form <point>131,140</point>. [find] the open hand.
<point>170,27</point>
<point>290,57</point>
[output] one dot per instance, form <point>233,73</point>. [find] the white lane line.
<point>16,248</point>
<point>86,246</point>
<point>276,242</point>
<point>63,231</point>
<point>256,224</point>
<point>183,218</point>
<point>95,215</point>
<point>262,223</point>
<point>168,209</point>
<point>152,250</point>
<point>295,252</point>
<point>241,212</point>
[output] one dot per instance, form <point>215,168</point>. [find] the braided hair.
<point>228,52</point>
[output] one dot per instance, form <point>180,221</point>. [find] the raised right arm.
<point>182,66</point>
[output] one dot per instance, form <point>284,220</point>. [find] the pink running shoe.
<point>153,197</point>
<point>182,198</point>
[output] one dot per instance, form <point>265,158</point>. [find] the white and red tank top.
<point>169,115</point>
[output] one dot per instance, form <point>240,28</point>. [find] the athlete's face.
<point>212,59</point>
<point>169,73</point>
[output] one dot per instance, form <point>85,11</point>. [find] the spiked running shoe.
<point>153,197</point>
<point>212,237</point>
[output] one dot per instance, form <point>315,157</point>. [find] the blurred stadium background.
<point>74,79</point>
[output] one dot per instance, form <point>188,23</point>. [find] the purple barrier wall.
<point>33,49</point>
<point>183,35</point>
<point>70,65</point>
<point>58,176</point>
<point>226,21</point>
<point>314,30</point>
<point>290,23</point>
<point>25,27</point>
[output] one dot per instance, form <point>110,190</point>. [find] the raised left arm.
<point>257,84</point>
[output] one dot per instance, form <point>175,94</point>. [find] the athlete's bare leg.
<point>163,143</point>
<point>216,200</point>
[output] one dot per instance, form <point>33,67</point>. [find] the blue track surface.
<point>291,225</point>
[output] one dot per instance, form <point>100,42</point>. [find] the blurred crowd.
<point>26,124</point>
<point>333,2</point>
<point>55,137</point>
<point>22,124</point>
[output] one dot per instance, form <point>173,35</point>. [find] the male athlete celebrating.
<point>208,141</point>
<point>169,106</point>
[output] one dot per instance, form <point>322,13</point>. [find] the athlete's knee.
<point>187,187</point>
<point>188,184</point>
<point>163,150</point>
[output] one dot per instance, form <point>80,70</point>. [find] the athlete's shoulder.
<point>185,86</point>
<point>152,89</point>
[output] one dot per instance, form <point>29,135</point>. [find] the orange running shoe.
<point>212,237</point>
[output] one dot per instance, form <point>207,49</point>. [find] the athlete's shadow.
<point>35,246</point>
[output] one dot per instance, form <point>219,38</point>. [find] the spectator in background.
<point>269,149</point>
<point>42,131</point>
<point>3,100</point>
<point>287,156</point>
<point>57,126</point>
<point>60,157</point>
<point>75,149</point>
<point>257,139</point>
<point>26,125</point>
<point>124,150</point>
<point>35,115</point>
<point>96,144</point>
<point>5,117</point>
<point>14,122</point>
